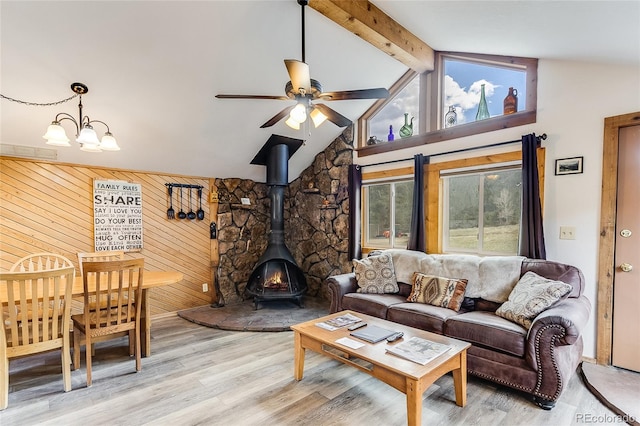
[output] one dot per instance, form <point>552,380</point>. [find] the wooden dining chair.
<point>40,261</point>
<point>117,287</point>
<point>37,319</point>
<point>98,256</point>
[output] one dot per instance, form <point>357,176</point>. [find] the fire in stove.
<point>275,282</point>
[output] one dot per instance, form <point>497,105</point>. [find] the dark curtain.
<point>417,233</point>
<point>355,186</point>
<point>531,230</point>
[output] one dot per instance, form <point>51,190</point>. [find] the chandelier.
<point>85,135</point>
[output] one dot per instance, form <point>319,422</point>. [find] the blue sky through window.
<point>462,84</point>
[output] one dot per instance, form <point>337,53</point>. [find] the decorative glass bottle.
<point>483,110</point>
<point>511,102</point>
<point>451,117</point>
<point>390,135</point>
<point>407,129</point>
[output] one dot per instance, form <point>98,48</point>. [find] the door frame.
<point>608,211</point>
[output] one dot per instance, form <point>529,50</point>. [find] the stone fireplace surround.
<point>316,214</point>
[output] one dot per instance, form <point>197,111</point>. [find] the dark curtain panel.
<point>531,230</point>
<point>355,186</point>
<point>417,234</point>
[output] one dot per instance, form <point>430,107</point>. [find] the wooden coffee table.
<point>408,377</point>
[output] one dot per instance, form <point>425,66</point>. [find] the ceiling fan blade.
<point>299,75</point>
<point>333,116</point>
<point>379,93</point>
<point>283,98</point>
<point>279,116</point>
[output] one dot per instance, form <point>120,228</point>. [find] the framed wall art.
<point>569,166</point>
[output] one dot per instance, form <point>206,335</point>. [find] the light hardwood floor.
<point>203,376</point>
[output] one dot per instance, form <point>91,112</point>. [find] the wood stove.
<point>276,275</point>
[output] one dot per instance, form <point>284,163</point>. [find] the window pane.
<point>462,87</point>
<point>502,205</point>
<point>392,114</point>
<point>463,212</point>
<point>378,204</point>
<point>403,206</point>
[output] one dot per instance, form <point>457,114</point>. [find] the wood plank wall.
<point>48,207</point>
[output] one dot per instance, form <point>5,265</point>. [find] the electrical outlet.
<point>567,233</point>
<point>205,287</point>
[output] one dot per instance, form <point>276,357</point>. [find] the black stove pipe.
<point>277,179</point>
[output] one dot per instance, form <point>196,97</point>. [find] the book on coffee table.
<point>372,333</point>
<point>418,350</point>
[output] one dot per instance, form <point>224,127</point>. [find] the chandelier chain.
<point>39,104</point>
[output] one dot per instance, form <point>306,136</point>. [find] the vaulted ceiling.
<point>153,68</point>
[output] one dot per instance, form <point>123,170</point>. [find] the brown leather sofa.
<point>538,361</point>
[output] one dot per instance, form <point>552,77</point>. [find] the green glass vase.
<point>407,129</point>
<point>483,109</point>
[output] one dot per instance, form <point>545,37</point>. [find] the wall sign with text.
<point>117,215</point>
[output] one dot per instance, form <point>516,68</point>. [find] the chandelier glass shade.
<point>86,136</point>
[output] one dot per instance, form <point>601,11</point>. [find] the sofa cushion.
<point>491,277</point>
<point>488,330</point>
<point>418,315</point>
<point>371,304</point>
<point>375,274</point>
<point>437,291</point>
<point>532,295</point>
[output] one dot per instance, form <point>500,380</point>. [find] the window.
<point>472,205</point>
<point>481,211</point>
<point>392,114</point>
<point>387,213</point>
<point>463,82</point>
<point>456,82</point>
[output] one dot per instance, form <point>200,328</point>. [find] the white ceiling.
<point>153,68</point>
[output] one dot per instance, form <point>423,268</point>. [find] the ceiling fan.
<point>304,90</point>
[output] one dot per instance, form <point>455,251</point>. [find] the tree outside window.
<point>388,214</point>
<point>481,212</point>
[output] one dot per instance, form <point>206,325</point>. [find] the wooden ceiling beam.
<point>365,20</point>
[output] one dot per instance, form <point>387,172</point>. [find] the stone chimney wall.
<point>316,215</point>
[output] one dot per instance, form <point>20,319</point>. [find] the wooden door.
<point>626,291</point>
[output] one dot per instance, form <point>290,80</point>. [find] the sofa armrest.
<point>338,286</point>
<point>554,344</point>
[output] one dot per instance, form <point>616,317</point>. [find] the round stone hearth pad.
<point>277,315</point>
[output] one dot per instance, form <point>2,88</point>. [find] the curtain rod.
<point>540,138</point>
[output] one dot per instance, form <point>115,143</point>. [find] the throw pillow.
<point>375,274</point>
<point>437,291</point>
<point>532,295</point>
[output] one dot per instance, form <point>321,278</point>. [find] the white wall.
<point>574,98</point>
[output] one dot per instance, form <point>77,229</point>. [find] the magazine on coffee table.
<point>418,350</point>
<point>339,322</point>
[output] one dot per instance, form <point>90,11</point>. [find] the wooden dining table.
<point>150,279</point>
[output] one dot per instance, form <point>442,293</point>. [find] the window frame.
<point>434,191</point>
<point>402,174</point>
<point>431,105</point>
<point>481,172</point>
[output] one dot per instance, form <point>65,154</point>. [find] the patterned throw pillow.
<point>437,291</point>
<point>532,295</point>
<point>375,274</point>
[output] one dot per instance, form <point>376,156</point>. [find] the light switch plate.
<point>567,233</point>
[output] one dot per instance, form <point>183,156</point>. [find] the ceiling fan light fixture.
<point>292,123</point>
<point>317,117</point>
<point>299,113</point>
